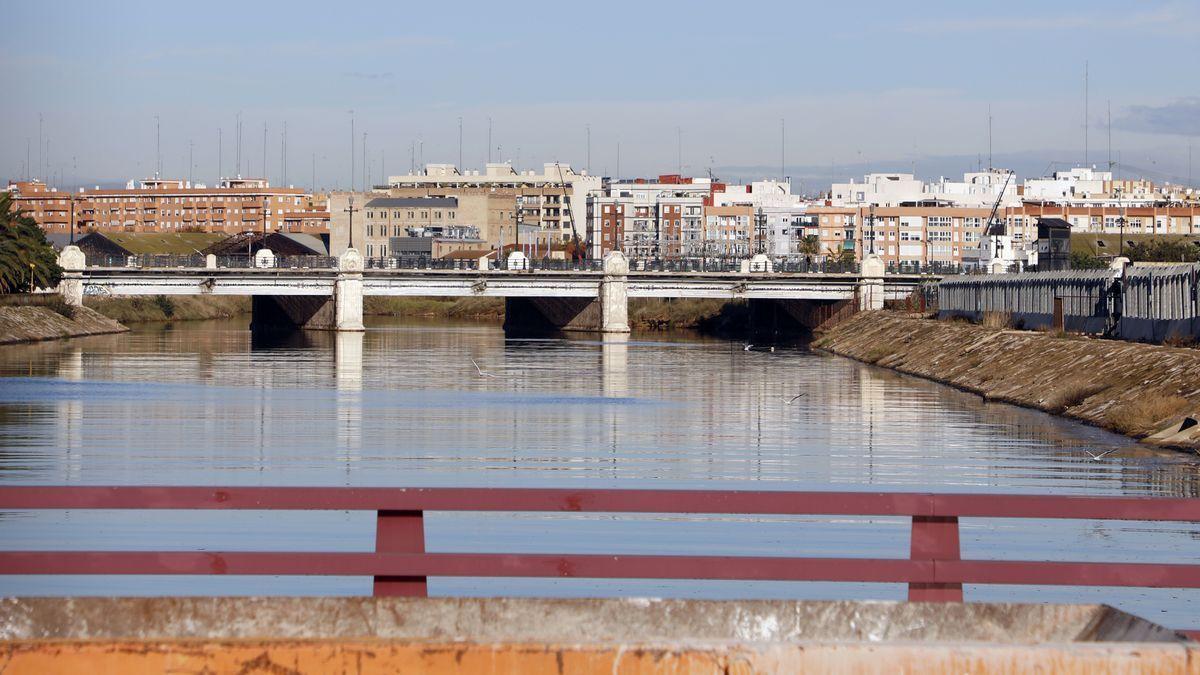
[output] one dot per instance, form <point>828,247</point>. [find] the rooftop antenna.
<point>383,165</point>
<point>679,151</point>
<point>264,164</point>
<point>489,140</point>
<point>366,178</point>
<point>618,160</point>
<point>782,148</point>
<point>1085,113</point>
<point>219,155</point>
<point>1109,125</point>
<point>352,154</point>
<point>157,147</point>
<point>238,168</point>
<point>460,162</point>
<point>191,162</point>
<point>588,129</point>
<point>283,155</point>
<point>40,155</point>
<point>991,165</point>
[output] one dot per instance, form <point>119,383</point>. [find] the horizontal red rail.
<point>602,501</point>
<point>869,570</point>
<point>400,564</point>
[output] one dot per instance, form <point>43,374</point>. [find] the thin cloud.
<point>371,76</point>
<point>1180,117</point>
<point>1174,19</point>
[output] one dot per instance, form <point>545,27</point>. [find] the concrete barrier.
<point>378,635</point>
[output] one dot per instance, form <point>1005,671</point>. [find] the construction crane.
<point>995,226</point>
<point>577,252</point>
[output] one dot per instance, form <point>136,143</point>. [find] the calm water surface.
<point>404,405</point>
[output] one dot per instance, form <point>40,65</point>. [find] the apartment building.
<point>500,197</point>
<point>663,218</point>
<point>161,205</point>
<point>728,231</point>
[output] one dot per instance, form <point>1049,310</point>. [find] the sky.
<point>832,90</point>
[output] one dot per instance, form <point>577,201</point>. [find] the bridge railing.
<point>400,564</point>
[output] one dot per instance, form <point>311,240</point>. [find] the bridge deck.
<point>453,283</point>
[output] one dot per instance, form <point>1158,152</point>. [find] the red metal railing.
<point>400,564</point>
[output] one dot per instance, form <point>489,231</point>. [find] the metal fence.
<point>198,260</point>
<point>1149,303</point>
<point>1161,303</point>
<point>1086,299</point>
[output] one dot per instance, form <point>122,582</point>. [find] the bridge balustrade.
<point>401,565</point>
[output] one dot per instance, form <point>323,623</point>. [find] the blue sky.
<point>890,85</point>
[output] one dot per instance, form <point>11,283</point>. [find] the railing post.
<point>400,532</point>
<point>934,538</point>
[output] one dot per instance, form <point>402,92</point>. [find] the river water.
<point>404,405</point>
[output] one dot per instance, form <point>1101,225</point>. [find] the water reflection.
<point>348,357</point>
<point>411,403</point>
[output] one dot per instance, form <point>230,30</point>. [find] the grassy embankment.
<point>170,308</point>
<point>644,314</point>
<point>713,316</point>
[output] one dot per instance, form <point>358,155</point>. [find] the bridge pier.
<point>606,313</point>
<point>342,312</point>
<point>348,293</point>
<point>73,262</point>
<point>870,288</point>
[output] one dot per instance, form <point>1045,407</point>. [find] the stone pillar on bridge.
<point>348,292</point>
<point>870,285</point>
<point>73,262</point>
<point>614,294</point>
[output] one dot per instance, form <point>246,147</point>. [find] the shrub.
<point>1139,417</point>
<point>997,320</point>
<point>165,305</point>
<point>1070,395</point>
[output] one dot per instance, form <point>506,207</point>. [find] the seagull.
<point>748,347</point>
<point>1097,458</point>
<point>481,371</point>
<point>793,399</point>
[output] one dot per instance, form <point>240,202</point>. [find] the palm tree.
<point>24,250</point>
<point>810,246</point>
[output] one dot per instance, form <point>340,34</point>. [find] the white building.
<point>1066,186</point>
<point>977,190</point>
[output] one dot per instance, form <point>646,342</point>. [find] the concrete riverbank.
<point>32,323</point>
<point>469,635</point>
<point>1149,392</point>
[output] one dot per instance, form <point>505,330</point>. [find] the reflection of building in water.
<point>70,416</point>
<point>348,362</point>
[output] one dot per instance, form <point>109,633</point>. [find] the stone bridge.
<point>332,299</point>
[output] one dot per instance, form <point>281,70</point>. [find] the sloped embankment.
<point>1144,391</point>
<point>32,323</point>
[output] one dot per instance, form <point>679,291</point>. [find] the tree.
<point>1163,250</point>
<point>810,246</point>
<point>845,257</point>
<point>1082,260</point>
<point>24,249</point>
